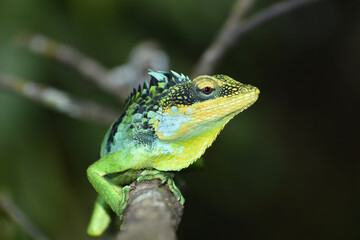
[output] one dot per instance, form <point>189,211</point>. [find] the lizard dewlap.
<point>165,126</point>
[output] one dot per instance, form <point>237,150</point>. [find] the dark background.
<point>287,168</point>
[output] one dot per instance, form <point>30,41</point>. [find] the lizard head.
<point>200,108</point>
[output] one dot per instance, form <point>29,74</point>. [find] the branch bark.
<point>153,212</point>
<point>235,28</point>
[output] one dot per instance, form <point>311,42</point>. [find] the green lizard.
<point>166,126</point>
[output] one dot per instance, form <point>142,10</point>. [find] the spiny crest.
<point>160,80</point>
<point>166,77</point>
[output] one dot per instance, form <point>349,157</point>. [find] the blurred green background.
<point>287,168</point>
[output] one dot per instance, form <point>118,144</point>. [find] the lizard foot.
<point>125,193</point>
<point>165,177</point>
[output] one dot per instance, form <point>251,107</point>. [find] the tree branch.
<point>58,100</point>
<point>20,218</point>
<point>152,213</point>
<point>235,28</point>
<point>118,81</point>
<point>65,54</point>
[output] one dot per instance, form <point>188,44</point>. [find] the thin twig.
<point>234,29</point>
<point>89,67</point>
<point>20,218</point>
<point>58,100</point>
<point>152,213</point>
<point>118,81</point>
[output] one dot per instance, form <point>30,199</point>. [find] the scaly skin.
<point>165,127</point>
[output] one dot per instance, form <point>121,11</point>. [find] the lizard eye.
<point>207,90</point>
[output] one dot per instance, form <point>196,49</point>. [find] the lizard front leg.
<point>101,216</point>
<point>112,194</point>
